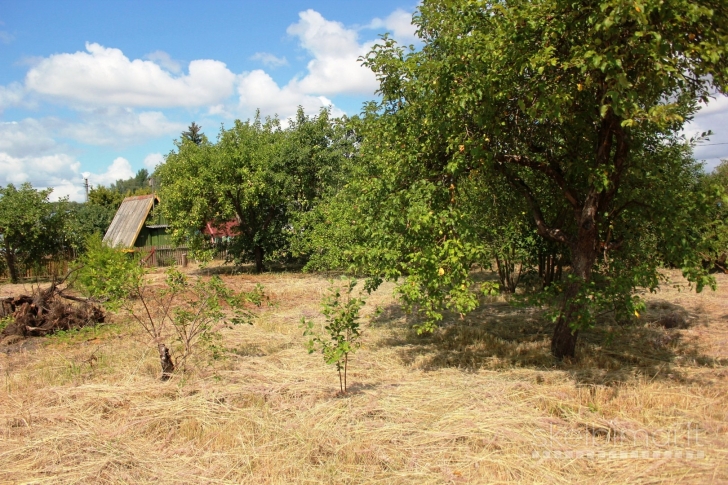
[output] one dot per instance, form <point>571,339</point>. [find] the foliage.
<point>136,185</point>
<point>104,197</point>
<point>327,235</point>
<point>109,275</point>
<point>200,306</point>
<point>87,219</point>
<point>715,230</point>
<point>31,227</point>
<point>258,175</point>
<point>193,312</point>
<point>577,107</point>
<point>342,326</point>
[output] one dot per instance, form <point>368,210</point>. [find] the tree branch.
<point>551,170</point>
<point>544,230</point>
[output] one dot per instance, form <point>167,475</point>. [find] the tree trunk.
<point>258,250</point>
<point>10,261</point>
<point>583,257</point>
<point>166,361</point>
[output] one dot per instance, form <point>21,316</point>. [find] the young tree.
<point>577,106</point>
<point>191,312</point>
<point>31,227</point>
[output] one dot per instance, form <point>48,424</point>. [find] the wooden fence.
<point>153,257</point>
<point>47,269</point>
<point>170,255</point>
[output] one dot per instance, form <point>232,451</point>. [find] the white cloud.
<point>29,154</point>
<point>120,168</point>
<point>6,37</point>
<point>104,76</point>
<point>25,138</point>
<point>164,60</point>
<point>269,60</point>
<point>258,90</point>
<point>152,160</point>
<point>713,117</point>
<point>11,95</point>
<point>41,171</point>
<point>117,126</point>
<point>399,25</point>
<point>335,68</point>
<point>56,170</point>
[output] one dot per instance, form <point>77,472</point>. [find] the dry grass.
<point>474,403</point>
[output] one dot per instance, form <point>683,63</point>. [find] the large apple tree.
<point>578,107</point>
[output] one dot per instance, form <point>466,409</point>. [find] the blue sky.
<point>102,88</point>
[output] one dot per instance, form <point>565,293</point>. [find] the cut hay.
<point>480,401</point>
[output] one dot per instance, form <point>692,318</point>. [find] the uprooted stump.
<point>47,312</point>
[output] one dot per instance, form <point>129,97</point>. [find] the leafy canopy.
<point>577,107</point>
<point>257,174</point>
<point>31,227</point>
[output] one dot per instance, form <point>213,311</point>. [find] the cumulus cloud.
<point>335,68</point>
<point>29,154</point>
<point>164,60</point>
<point>713,117</point>
<point>269,60</point>
<point>120,168</point>
<point>11,95</point>
<point>25,138</point>
<point>152,160</point>
<point>105,76</point>
<point>398,24</point>
<point>117,126</point>
<point>41,171</point>
<point>258,90</point>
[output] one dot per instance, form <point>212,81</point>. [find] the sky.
<point>100,89</point>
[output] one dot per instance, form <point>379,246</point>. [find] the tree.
<point>238,178</point>
<point>193,134</point>
<point>136,185</point>
<point>577,106</point>
<point>193,311</point>
<point>31,227</point>
<point>257,174</point>
<point>715,252</point>
<point>86,219</point>
<point>104,197</point>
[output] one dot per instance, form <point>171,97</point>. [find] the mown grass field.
<point>479,401</point>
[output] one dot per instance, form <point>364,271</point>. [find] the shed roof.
<point>129,220</point>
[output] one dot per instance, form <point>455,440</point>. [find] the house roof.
<point>129,220</point>
<point>229,229</point>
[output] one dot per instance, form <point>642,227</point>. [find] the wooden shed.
<point>137,224</point>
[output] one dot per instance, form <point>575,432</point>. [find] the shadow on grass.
<point>231,269</point>
<point>502,336</point>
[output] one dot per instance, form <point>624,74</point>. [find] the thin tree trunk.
<point>346,366</point>
<point>12,265</point>
<point>166,361</point>
<point>258,251</point>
